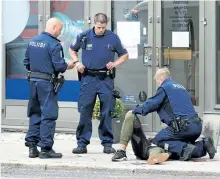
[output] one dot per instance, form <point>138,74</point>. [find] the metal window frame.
<point>2,66</point>
<point>210,55</point>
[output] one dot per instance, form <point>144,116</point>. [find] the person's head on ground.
<point>100,23</point>
<point>54,27</point>
<point>161,75</point>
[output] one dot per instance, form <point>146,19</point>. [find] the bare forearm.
<point>73,55</point>
<point>121,60</point>
<point>75,59</point>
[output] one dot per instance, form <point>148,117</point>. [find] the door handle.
<point>40,18</point>
<point>168,59</point>
<point>47,17</point>
<point>163,56</point>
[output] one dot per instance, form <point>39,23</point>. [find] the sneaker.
<point>157,159</point>
<point>80,150</point>
<point>187,152</point>
<point>45,154</point>
<point>108,150</point>
<point>120,155</point>
<point>209,147</point>
<point>33,152</point>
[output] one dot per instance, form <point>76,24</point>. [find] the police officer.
<point>44,59</point>
<point>173,104</point>
<point>142,147</point>
<point>98,49</point>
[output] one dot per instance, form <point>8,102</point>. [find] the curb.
<point>111,170</point>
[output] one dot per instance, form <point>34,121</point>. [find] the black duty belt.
<point>97,72</point>
<point>39,75</point>
<point>179,123</point>
<point>101,73</point>
<point>192,119</point>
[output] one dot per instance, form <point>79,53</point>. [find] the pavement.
<point>14,153</point>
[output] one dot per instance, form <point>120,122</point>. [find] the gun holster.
<point>179,124</point>
<point>112,73</point>
<point>58,83</point>
<point>176,124</point>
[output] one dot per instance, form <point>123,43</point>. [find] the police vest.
<point>177,103</point>
<point>40,49</point>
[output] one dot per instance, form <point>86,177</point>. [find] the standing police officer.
<point>173,104</point>
<point>44,60</point>
<point>97,69</point>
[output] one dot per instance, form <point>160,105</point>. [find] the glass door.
<point>177,38</point>
<point>132,22</point>
<point>71,14</point>
<point>16,85</point>
<point>15,50</point>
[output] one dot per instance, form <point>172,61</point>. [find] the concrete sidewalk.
<point>13,152</point>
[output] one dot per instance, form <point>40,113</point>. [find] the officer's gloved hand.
<point>137,110</point>
<point>80,67</point>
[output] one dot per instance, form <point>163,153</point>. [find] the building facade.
<point>181,35</point>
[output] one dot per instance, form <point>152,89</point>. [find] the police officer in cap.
<point>174,107</point>
<point>44,60</point>
<point>99,46</point>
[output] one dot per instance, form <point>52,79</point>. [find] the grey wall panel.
<point>210,55</point>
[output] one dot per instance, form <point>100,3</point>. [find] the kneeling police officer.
<point>173,104</point>
<point>44,60</point>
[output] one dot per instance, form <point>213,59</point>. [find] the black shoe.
<point>209,147</point>
<point>120,155</point>
<point>33,152</point>
<point>80,150</point>
<point>109,150</point>
<point>187,152</point>
<point>44,154</point>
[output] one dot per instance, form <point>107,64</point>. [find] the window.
<point>15,49</point>
<point>180,43</point>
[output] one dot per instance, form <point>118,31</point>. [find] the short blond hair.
<point>162,74</point>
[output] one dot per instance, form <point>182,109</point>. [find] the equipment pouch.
<point>116,94</point>
<point>28,75</point>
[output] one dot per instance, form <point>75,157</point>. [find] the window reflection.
<point>182,17</point>
<point>15,49</point>
<point>71,14</point>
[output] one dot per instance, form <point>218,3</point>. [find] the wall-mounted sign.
<point>180,17</point>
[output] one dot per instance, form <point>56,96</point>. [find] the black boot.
<point>33,152</point>
<point>45,154</point>
<point>108,150</point>
<point>209,147</point>
<point>187,152</point>
<point>79,150</point>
